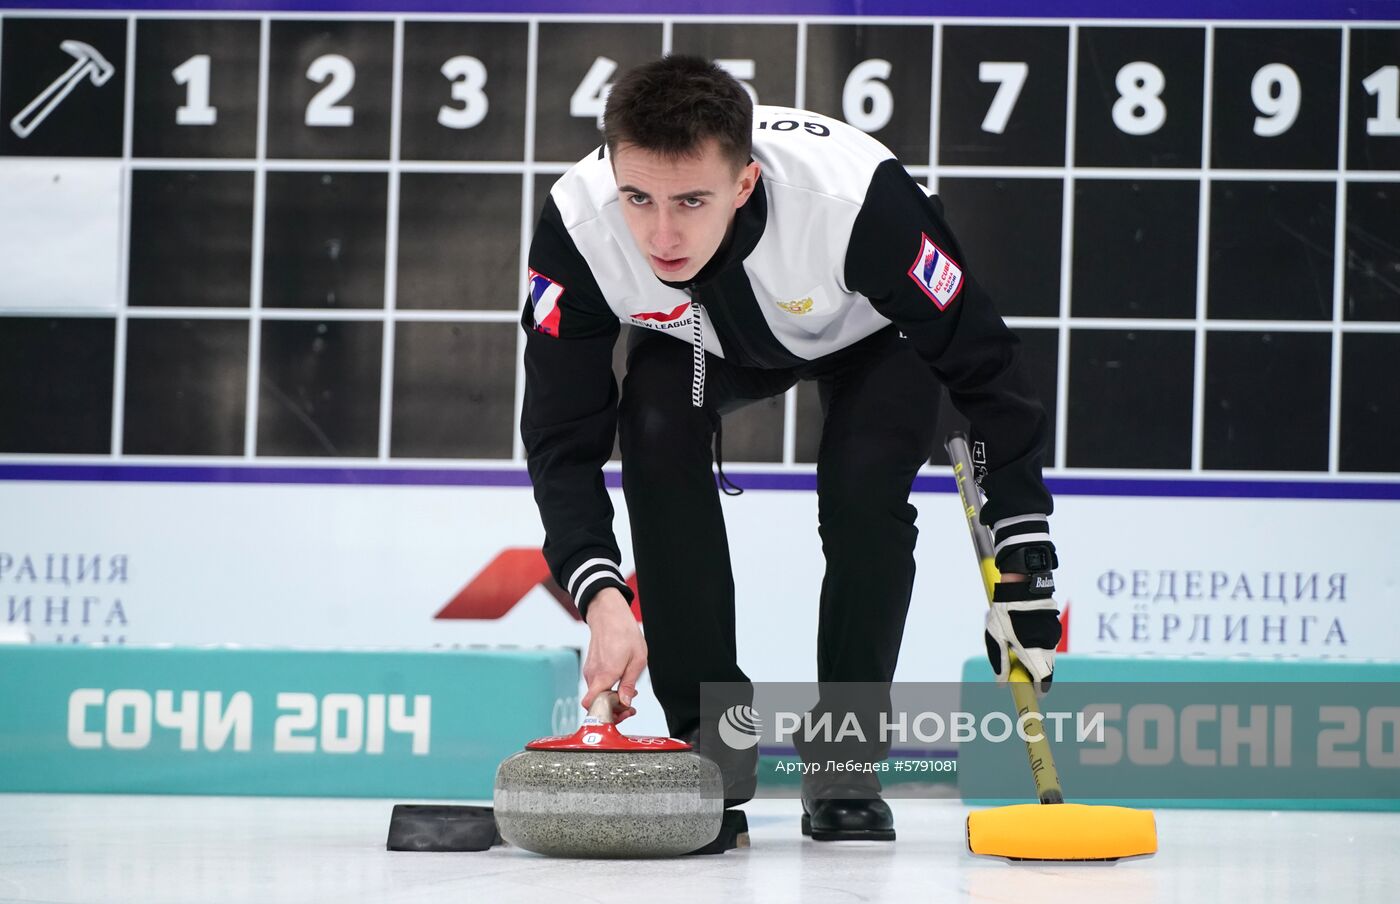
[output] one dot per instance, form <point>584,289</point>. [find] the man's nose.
<point>665,236</point>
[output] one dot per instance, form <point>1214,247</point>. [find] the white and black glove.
<point>1029,626</point>
<point>1024,617</point>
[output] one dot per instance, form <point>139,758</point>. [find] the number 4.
<point>591,95</point>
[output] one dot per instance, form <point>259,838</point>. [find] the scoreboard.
<point>314,224</point>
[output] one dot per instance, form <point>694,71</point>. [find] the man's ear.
<point>748,181</point>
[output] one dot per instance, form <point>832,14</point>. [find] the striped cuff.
<point>1020,531</point>
<point>591,575</point>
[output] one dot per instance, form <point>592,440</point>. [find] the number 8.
<point>1139,109</point>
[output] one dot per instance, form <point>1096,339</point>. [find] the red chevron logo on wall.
<point>506,580</point>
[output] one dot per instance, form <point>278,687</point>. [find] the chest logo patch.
<point>675,318</point>
<point>937,274</point>
<point>797,306</point>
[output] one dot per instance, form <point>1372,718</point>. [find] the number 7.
<point>1011,77</point>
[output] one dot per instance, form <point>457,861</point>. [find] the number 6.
<point>865,85</point>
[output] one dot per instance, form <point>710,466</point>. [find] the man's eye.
<point>693,203</point>
<point>637,200</point>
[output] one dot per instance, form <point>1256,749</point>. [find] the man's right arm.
<point>569,419</point>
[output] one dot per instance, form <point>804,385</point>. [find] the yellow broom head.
<point>1062,832</point>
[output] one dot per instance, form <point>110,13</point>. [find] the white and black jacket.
<point>836,243</point>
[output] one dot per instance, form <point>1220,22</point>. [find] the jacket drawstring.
<point>697,370</point>
<point>697,397</point>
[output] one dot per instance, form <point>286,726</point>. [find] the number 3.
<point>468,77</point>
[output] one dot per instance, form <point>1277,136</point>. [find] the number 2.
<point>338,74</point>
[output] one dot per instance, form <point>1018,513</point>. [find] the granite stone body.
<point>608,803</point>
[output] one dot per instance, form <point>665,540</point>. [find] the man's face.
<point>680,209</point>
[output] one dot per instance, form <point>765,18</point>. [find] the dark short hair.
<point>672,106</point>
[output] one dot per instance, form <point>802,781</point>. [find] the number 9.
<point>1280,110</point>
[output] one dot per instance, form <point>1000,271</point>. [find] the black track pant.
<point>879,402</point>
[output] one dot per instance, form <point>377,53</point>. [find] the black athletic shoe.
<point>739,768</point>
<point>733,833</point>
<point>847,819</point>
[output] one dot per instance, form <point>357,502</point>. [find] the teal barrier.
<point>275,722</point>
<point>1202,733</point>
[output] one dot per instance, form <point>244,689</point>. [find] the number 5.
<point>743,70</point>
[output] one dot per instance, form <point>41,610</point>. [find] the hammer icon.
<point>89,64</point>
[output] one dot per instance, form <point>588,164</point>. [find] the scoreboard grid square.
<point>186,379</point>
<point>1361,167</point>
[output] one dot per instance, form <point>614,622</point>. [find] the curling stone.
<point>601,793</point>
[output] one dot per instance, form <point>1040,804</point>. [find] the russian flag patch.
<point>937,274</point>
<point>544,298</point>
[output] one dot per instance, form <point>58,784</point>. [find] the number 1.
<point>194,75</point>
<point>1384,85</point>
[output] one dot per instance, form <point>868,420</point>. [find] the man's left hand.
<point>1026,624</point>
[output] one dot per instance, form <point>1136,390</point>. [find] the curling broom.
<point>1051,829</point>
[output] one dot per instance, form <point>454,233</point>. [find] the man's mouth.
<point>669,266</point>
